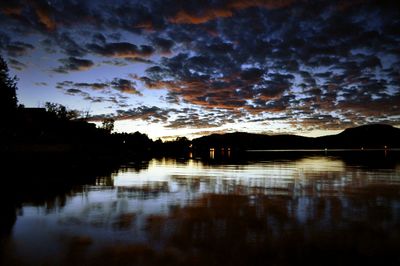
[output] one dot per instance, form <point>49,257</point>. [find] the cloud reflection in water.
<point>174,212</point>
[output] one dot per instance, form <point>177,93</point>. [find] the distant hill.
<point>368,136</point>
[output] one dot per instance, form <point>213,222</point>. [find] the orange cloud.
<point>146,25</point>
<point>344,5</point>
<point>46,19</point>
<point>11,10</point>
<point>269,4</point>
<point>182,17</point>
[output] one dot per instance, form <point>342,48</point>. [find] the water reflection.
<point>315,210</point>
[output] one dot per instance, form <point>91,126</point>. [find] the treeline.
<point>54,130</point>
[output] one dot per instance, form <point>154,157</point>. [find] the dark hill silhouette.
<point>242,141</point>
<point>368,136</point>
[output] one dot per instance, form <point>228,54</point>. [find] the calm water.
<point>318,210</point>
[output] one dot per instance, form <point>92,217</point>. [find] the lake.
<point>315,209</point>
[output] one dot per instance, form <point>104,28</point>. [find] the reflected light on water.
<point>317,174</point>
<point>319,164</point>
<point>191,212</point>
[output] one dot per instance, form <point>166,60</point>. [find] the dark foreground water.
<point>313,209</point>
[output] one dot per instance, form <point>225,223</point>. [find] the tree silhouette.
<point>8,87</point>
<point>108,124</point>
<point>60,111</point>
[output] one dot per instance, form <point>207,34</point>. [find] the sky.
<point>190,68</point>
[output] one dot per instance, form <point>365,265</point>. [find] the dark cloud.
<point>252,74</point>
<point>146,113</point>
<point>45,14</point>
<point>194,118</point>
<point>48,16</point>
<point>138,60</point>
<point>4,39</point>
<point>112,99</point>
<point>17,65</point>
<point>184,17</point>
<point>93,86</point>
<point>73,91</point>
<point>10,7</point>
<point>41,83</point>
<point>173,118</point>
<point>193,121</point>
<point>48,46</point>
<point>114,91</point>
<point>73,64</point>
<point>319,55</point>
<point>363,103</point>
<point>120,49</point>
<point>99,38</point>
<point>115,62</point>
<point>209,10</point>
<point>14,48</point>
<point>69,45</point>
<point>124,86</point>
<point>116,36</point>
<point>164,45</point>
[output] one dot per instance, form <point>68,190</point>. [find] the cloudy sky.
<point>187,68</point>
